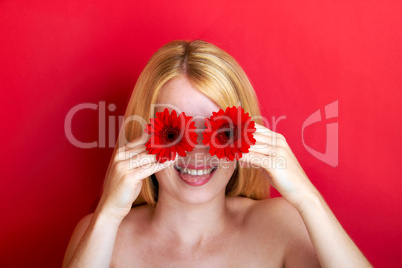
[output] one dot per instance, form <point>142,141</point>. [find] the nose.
<point>200,153</point>
<point>200,127</point>
<point>200,147</point>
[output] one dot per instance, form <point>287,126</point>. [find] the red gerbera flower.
<point>170,134</point>
<point>229,133</point>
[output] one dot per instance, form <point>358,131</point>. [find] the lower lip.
<point>196,180</point>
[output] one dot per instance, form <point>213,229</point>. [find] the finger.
<point>273,143</point>
<point>271,140</point>
<point>264,149</point>
<point>273,151</point>
<point>262,129</point>
<point>124,155</point>
<point>255,159</point>
<point>248,160</point>
<point>265,162</point>
<point>129,146</point>
<point>265,131</point>
<point>150,169</point>
<point>136,142</point>
<point>141,159</point>
<point>126,166</point>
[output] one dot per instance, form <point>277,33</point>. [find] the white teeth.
<point>195,172</point>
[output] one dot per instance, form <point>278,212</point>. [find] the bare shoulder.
<point>274,218</point>
<point>138,218</point>
<point>275,208</point>
<point>262,211</point>
<point>138,214</point>
<point>279,216</point>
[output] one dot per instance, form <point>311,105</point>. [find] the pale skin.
<point>200,226</point>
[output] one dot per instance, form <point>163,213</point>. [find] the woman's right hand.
<point>131,164</point>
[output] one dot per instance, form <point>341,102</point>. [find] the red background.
<point>299,55</point>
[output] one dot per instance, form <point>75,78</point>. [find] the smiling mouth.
<point>196,176</point>
<point>195,172</point>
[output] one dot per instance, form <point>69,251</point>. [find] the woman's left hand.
<point>272,153</point>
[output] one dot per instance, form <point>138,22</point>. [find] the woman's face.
<point>178,94</point>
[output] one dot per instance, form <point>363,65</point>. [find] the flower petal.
<point>180,150</point>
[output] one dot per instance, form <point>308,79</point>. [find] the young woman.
<point>152,214</point>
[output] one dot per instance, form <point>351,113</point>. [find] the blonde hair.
<point>216,74</point>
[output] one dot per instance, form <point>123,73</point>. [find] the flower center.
<point>227,136</point>
<point>169,134</point>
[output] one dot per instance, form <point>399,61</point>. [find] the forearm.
<point>96,246</point>
<point>333,246</point>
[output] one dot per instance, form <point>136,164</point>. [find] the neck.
<point>189,224</point>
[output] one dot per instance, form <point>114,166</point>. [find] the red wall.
<point>299,55</point>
